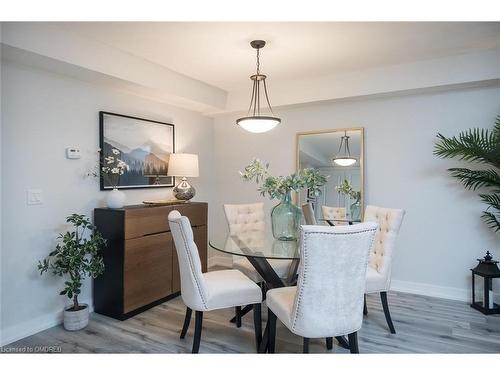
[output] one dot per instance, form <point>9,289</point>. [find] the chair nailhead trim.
<point>191,265</point>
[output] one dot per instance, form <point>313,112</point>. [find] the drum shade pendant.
<point>255,122</point>
<point>343,157</point>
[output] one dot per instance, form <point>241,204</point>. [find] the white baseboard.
<point>25,329</point>
<point>430,290</point>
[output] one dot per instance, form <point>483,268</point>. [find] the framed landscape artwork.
<point>144,145</point>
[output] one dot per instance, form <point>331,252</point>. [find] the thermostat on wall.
<point>73,153</point>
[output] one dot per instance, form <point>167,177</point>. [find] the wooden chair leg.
<point>187,320</point>
<point>305,347</point>
<point>365,309</point>
<point>271,324</point>
<point>385,306</point>
<point>257,323</point>
<point>197,331</point>
<point>329,343</point>
<point>353,342</point>
<point>238,316</point>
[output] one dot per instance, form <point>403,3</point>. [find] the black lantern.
<point>485,271</point>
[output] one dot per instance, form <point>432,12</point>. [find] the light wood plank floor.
<point>423,325</point>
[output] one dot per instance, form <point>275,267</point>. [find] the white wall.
<point>44,113</point>
<point>442,233</point>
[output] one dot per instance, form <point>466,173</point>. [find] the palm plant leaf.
<point>474,145</point>
<point>476,179</point>
<point>493,200</point>
<point>492,220</point>
<point>496,130</point>
<point>481,146</point>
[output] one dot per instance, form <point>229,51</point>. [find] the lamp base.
<point>184,191</point>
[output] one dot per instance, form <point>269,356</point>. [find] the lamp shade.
<point>183,165</point>
<point>258,124</point>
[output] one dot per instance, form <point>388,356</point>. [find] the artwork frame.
<point>132,130</point>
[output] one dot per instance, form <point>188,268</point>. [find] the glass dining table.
<point>260,247</point>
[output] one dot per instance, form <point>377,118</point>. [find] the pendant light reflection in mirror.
<point>343,157</point>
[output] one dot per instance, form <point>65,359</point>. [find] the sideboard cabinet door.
<point>148,270</point>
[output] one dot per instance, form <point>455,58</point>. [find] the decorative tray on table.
<point>164,202</point>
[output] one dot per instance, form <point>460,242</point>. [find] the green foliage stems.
<point>277,187</point>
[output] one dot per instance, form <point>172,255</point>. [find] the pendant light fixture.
<point>343,157</point>
<point>255,122</point>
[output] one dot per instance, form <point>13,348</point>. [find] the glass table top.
<point>255,243</point>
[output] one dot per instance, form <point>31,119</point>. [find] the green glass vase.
<point>285,219</point>
<point>356,211</point>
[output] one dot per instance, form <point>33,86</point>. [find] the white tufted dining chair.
<point>211,290</point>
<point>328,298</point>
<point>334,213</point>
<point>308,212</point>
<point>247,221</point>
<point>378,274</point>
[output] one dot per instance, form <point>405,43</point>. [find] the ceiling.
<point>219,53</point>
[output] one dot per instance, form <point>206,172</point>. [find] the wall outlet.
<point>34,196</point>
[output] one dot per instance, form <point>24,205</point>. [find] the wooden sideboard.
<point>141,267</point>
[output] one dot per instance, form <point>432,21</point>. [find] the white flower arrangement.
<point>114,166</point>
<point>111,167</point>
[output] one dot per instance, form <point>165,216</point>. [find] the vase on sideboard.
<point>115,199</point>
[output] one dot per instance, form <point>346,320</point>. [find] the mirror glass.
<point>338,154</point>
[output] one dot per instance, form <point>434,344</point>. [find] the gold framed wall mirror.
<point>338,154</point>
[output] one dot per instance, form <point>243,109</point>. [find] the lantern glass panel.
<point>496,288</point>
<point>488,299</point>
<point>478,289</point>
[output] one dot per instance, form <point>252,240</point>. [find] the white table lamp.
<point>183,165</point>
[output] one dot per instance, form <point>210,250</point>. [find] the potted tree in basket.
<point>480,146</point>
<point>77,256</point>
